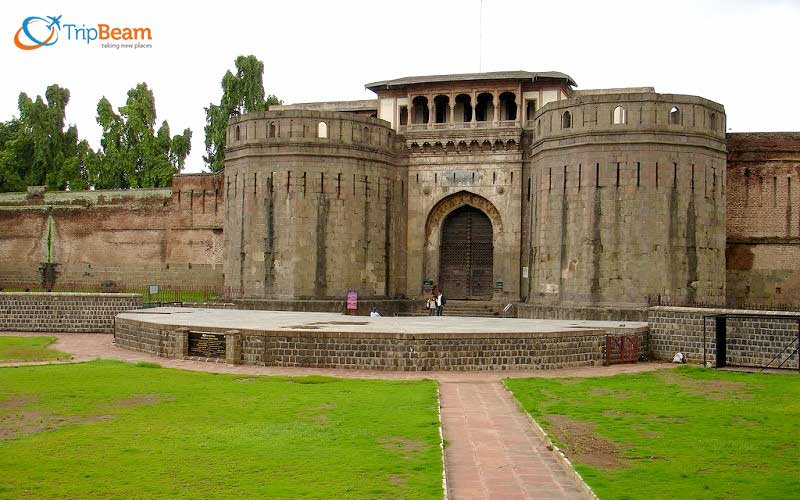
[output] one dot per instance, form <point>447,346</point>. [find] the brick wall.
<point>750,341</point>
<point>763,223</point>
<point>581,313</point>
<point>63,312</point>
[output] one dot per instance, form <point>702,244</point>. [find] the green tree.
<point>132,152</point>
<point>35,149</point>
<point>242,92</point>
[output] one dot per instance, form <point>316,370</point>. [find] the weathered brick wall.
<point>750,341</point>
<point>63,312</point>
<point>420,352</point>
<point>133,238</point>
<point>763,224</point>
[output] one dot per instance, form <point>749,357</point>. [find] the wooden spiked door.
<point>466,256</point>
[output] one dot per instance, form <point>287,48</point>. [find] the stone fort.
<point>507,187</point>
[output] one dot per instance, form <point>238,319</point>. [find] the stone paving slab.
<point>291,321</point>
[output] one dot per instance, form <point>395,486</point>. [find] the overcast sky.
<point>741,53</point>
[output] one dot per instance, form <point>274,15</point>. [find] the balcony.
<point>414,127</point>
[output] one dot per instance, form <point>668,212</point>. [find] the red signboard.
<point>352,300</point>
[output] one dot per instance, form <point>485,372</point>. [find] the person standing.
<point>440,302</point>
<point>432,305</point>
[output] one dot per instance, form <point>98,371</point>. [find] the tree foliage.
<point>36,149</point>
<point>242,92</point>
<point>132,152</point>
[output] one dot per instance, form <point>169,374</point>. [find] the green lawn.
<point>112,429</point>
<point>29,349</point>
<point>683,433</point>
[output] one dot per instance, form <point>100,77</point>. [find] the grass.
<point>112,429</point>
<point>29,349</point>
<point>683,433</point>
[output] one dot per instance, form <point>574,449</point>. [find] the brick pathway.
<point>493,450</point>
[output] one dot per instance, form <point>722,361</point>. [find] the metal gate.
<point>621,349</point>
<point>466,265</point>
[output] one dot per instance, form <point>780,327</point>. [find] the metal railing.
<point>659,300</point>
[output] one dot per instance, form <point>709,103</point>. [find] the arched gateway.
<point>466,254</point>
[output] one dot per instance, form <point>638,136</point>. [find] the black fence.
<point>659,300</point>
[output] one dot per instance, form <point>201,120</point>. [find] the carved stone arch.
<point>426,147</point>
<point>486,146</point>
<point>414,147</point>
<point>458,200</point>
<point>474,146</point>
<point>511,144</point>
<point>498,145</point>
<point>450,146</point>
<point>463,146</point>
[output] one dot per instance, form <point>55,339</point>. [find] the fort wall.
<point>315,204</point>
<point>126,239</point>
<point>763,205</point>
<point>620,211</point>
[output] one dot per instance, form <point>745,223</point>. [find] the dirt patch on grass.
<point>245,379</point>
<point>404,446</point>
<point>709,389</point>
<point>398,480</point>
<point>646,416</point>
<point>17,402</point>
<point>140,400</point>
<point>582,445</point>
<point>26,422</point>
<point>316,415</point>
<point>605,391</point>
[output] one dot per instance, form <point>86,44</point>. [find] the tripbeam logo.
<point>37,32</point>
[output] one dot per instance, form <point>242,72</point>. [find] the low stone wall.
<point>750,341</point>
<point>395,351</point>
<point>63,312</point>
<point>386,307</point>
<point>541,311</point>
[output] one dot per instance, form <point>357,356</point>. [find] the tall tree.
<point>132,152</point>
<point>242,92</point>
<point>35,149</point>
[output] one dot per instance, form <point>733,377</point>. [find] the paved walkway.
<point>493,450</point>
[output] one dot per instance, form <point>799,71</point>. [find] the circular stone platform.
<point>329,340</point>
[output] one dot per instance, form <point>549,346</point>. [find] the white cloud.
<point>739,53</point>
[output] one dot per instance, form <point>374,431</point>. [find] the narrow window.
<point>529,189</point>
<point>675,116</point>
<point>674,175</point>
<point>656,175</point>
<point>713,121</point>
<point>238,134</point>
<point>417,178</point>
<point>512,177</point>
<point>494,178</point>
<point>638,173</point>
<point>272,130</point>
<point>617,174</point>
<point>580,173</point>
<point>322,183</point>
<point>288,181</point>
<point>338,184</point>
<point>564,187</point>
<point>366,135</point>
<point>322,130</point>
<point>620,116</point>
<point>566,120</point>
<point>304,183</point>
<point>436,178</point>
<point>550,179</point>
<point>774,192</point>
<point>692,176</point>
<point>597,175</point>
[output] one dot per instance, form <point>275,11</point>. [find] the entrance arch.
<point>432,260</point>
<point>467,254</point>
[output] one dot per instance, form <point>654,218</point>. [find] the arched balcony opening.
<point>322,130</point>
<point>508,106</point>
<point>420,113</point>
<point>484,108</point>
<point>566,120</point>
<point>441,108</point>
<point>463,109</point>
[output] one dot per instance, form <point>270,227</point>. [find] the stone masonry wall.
<point>631,209</point>
<point>421,352</point>
<point>750,341</point>
<point>63,312</point>
<point>131,238</point>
